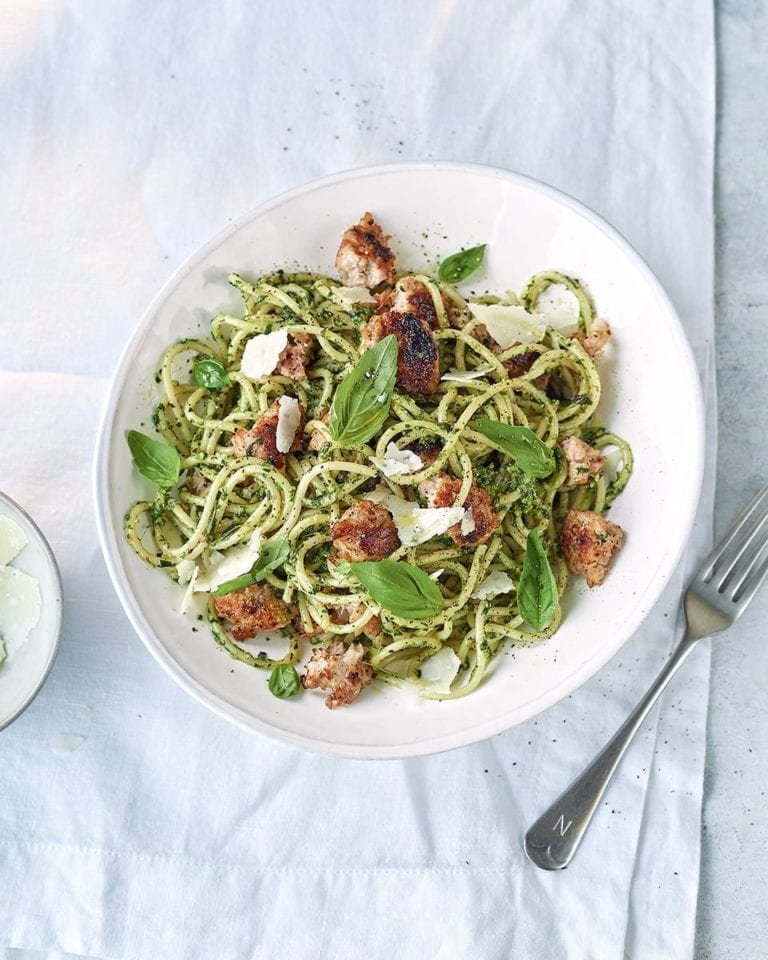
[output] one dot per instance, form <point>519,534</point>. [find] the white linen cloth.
<point>129,132</point>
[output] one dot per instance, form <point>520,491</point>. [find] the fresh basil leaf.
<point>284,681</point>
<point>211,374</point>
<point>537,591</point>
<point>530,454</point>
<point>155,460</point>
<point>460,265</point>
<point>271,555</point>
<point>361,404</point>
<point>236,583</point>
<point>400,588</point>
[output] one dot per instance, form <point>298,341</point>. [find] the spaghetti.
<point>221,500</point>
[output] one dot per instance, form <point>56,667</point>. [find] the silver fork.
<point>716,597</point>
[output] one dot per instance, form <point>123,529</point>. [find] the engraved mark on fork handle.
<point>562,826</point>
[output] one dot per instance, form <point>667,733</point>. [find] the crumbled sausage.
<point>304,631</point>
<point>261,440</point>
<point>480,332</point>
<point>583,461</point>
<point>198,482</point>
<point>353,611</point>
<point>363,258</point>
<point>442,490</point>
<point>428,450</point>
<point>251,610</point>
<point>516,366</point>
<point>297,356</point>
<point>588,542</point>
<point>519,365</point>
<point>594,342</point>
<point>366,531</point>
<point>418,359</point>
<point>339,669</point>
<point>409,295</point>
<point>317,439</point>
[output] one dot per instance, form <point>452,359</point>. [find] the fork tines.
<point>740,561</point>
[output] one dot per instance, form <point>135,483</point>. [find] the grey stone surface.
<point>732,922</point>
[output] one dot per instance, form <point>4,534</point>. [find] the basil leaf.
<point>271,555</point>
<point>530,454</point>
<point>361,404</point>
<point>537,591</point>
<point>284,681</point>
<point>210,373</point>
<point>460,265</point>
<point>236,583</point>
<point>155,460</point>
<point>400,588</point>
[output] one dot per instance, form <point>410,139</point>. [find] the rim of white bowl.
<point>59,599</point>
<point>469,734</point>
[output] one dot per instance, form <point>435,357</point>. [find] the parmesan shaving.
<point>288,420</point>
<point>349,296</point>
<point>185,570</point>
<point>440,670</point>
<point>414,524</point>
<point>262,353</point>
<point>462,375</point>
<point>509,324</point>
<point>234,563</point>
<point>20,606</point>
<point>12,540</point>
<point>559,307</point>
<point>397,462</point>
<point>494,584</point>
<point>190,589</point>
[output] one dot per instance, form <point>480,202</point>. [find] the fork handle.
<point>553,840</point>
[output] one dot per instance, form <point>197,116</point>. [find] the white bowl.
<point>25,671</point>
<point>651,396</point>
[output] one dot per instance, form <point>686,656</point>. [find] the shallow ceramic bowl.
<point>23,674</point>
<point>651,397</point>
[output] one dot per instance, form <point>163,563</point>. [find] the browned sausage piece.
<point>251,610</point>
<point>363,258</point>
<point>366,531</point>
<point>261,440</point>
<point>340,670</point>
<point>442,490</point>
<point>588,542</point>
<point>583,461</point>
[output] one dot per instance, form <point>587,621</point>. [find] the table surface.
<point>733,916</point>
